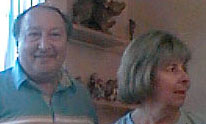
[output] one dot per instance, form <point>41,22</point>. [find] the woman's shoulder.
<point>190,118</point>
<point>126,119</point>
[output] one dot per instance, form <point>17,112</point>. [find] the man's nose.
<point>44,43</point>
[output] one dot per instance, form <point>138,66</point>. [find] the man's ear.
<point>17,46</point>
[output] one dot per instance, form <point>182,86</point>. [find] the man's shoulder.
<point>82,98</point>
<point>80,89</point>
<point>78,85</point>
<point>5,75</point>
<point>6,72</point>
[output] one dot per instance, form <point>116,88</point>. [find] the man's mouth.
<point>44,56</point>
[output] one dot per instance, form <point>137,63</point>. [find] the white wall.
<point>83,61</point>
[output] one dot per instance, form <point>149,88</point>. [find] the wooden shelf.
<point>115,104</point>
<point>109,112</point>
<point>93,37</point>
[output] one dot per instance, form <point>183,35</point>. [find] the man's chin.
<point>46,72</point>
<point>49,67</point>
<point>45,76</point>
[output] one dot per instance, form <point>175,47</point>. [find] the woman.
<point>153,72</point>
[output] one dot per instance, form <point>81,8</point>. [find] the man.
<point>37,89</point>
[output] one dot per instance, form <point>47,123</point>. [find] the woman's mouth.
<point>180,92</point>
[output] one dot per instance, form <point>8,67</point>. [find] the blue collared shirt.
<point>21,100</point>
<point>185,118</point>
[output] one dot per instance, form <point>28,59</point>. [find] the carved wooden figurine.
<point>97,14</point>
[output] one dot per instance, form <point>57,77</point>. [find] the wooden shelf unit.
<point>108,111</point>
<point>94,37</point>
<point>115,104</point>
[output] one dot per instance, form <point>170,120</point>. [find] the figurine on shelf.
<point>104,10</point>
<point>132,26</point>
<point>92,81</point>
<point>98,91</point>
<point>79,78</point>
<point>101,87</point>
<point>98,15</point>
<point>113,96</point>
<point>110,85</point>
<point>82,11</point>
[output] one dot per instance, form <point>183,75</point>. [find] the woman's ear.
<point>152,78</point>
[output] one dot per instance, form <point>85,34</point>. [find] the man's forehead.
<point>44,12</point>
<point>40,16</point>
<point>35,28</point>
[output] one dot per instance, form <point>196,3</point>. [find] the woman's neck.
<point>155,113</point>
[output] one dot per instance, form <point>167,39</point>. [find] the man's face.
<point>42,42</point>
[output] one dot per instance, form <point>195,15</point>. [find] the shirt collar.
<point>65,80</point>
<point>20,77</point>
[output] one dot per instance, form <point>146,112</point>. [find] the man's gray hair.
<point>19,19</point>
<point>142,55</point>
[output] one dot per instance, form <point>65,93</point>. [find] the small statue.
<point>96,86</point>
<point>99,13</point>
<point>79,78</point>
<point>109,90</point>
<point>98,91</point>
<point>92,82</point>
<point>104,11</point>
<point>82,11</point>
<point>132,26</point>
<point>113,96</point>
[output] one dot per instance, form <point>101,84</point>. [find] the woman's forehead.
<point>171,60</point>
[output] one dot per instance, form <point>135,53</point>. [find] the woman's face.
<point>171,83</point>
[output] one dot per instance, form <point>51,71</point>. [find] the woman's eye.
<point>184,68</point>
<point>171,68</point>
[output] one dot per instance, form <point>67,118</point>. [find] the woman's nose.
<point>185,80</point>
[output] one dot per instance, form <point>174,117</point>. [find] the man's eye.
<point>55,34</point>
<point>33,34</point>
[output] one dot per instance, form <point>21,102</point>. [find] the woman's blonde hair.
<point>141,56</point>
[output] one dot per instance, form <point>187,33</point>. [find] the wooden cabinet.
<point>98,38</point>
<point>109,112</point>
